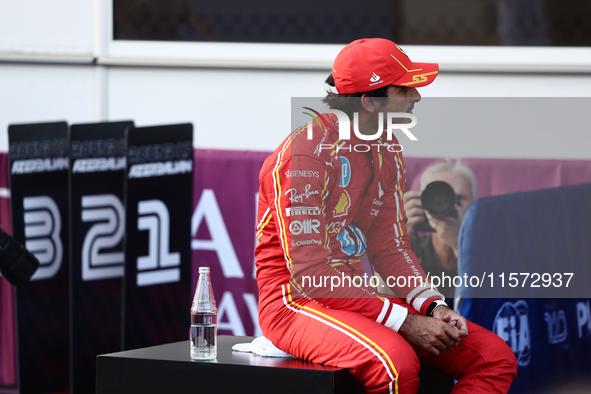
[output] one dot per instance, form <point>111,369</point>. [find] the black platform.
<point>169,369</point>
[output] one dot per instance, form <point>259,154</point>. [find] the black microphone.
<point>17,264</point>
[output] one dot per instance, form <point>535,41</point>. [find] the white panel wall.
<point>251,110</point>
<point>534,84</point>
<point>229,109</point>
<point>529,128</point>
<point>37,93</point>
<point>47,26</point>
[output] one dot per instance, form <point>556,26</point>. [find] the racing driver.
<point>328,197</point>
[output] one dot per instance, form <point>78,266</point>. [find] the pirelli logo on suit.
<point>298,211</point>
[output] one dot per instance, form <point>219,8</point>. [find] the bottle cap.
<point>204,270</point>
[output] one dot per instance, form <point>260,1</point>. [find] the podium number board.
<point>97,217</point>
<point>159,189</point>
<point>38,155</point>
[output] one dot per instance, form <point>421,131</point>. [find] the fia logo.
<point>557,330</point>
<point>109,214</point>
<point>43,225</point>
<point>512,325</point>
<point>345,172</point>
<point>159,266</point>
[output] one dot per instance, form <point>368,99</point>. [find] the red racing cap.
<point>370,63</point>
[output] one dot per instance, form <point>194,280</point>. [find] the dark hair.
<point>343,102</point>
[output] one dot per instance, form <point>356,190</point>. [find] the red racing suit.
<point>324,203</point>
<point>321,209</point>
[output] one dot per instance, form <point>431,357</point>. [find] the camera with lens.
<point>17,264</point>
<point>438,199</point>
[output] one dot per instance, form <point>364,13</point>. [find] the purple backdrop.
<point>224,215</point>
<point>223,238</point>
<point>7,318</point>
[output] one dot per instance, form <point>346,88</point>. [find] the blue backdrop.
<point>548,328</point>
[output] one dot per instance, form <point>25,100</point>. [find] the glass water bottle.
<point>203,319</point>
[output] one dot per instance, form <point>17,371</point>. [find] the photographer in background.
<point>434,238</point>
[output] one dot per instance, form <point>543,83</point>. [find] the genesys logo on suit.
<point>512,324</point>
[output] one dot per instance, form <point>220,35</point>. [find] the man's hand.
<point>447,228</point>
<point>452,318</point>
<point>431,334</point>
<point>414,211</point>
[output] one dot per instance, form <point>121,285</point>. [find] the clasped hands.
<point>435,334</point>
